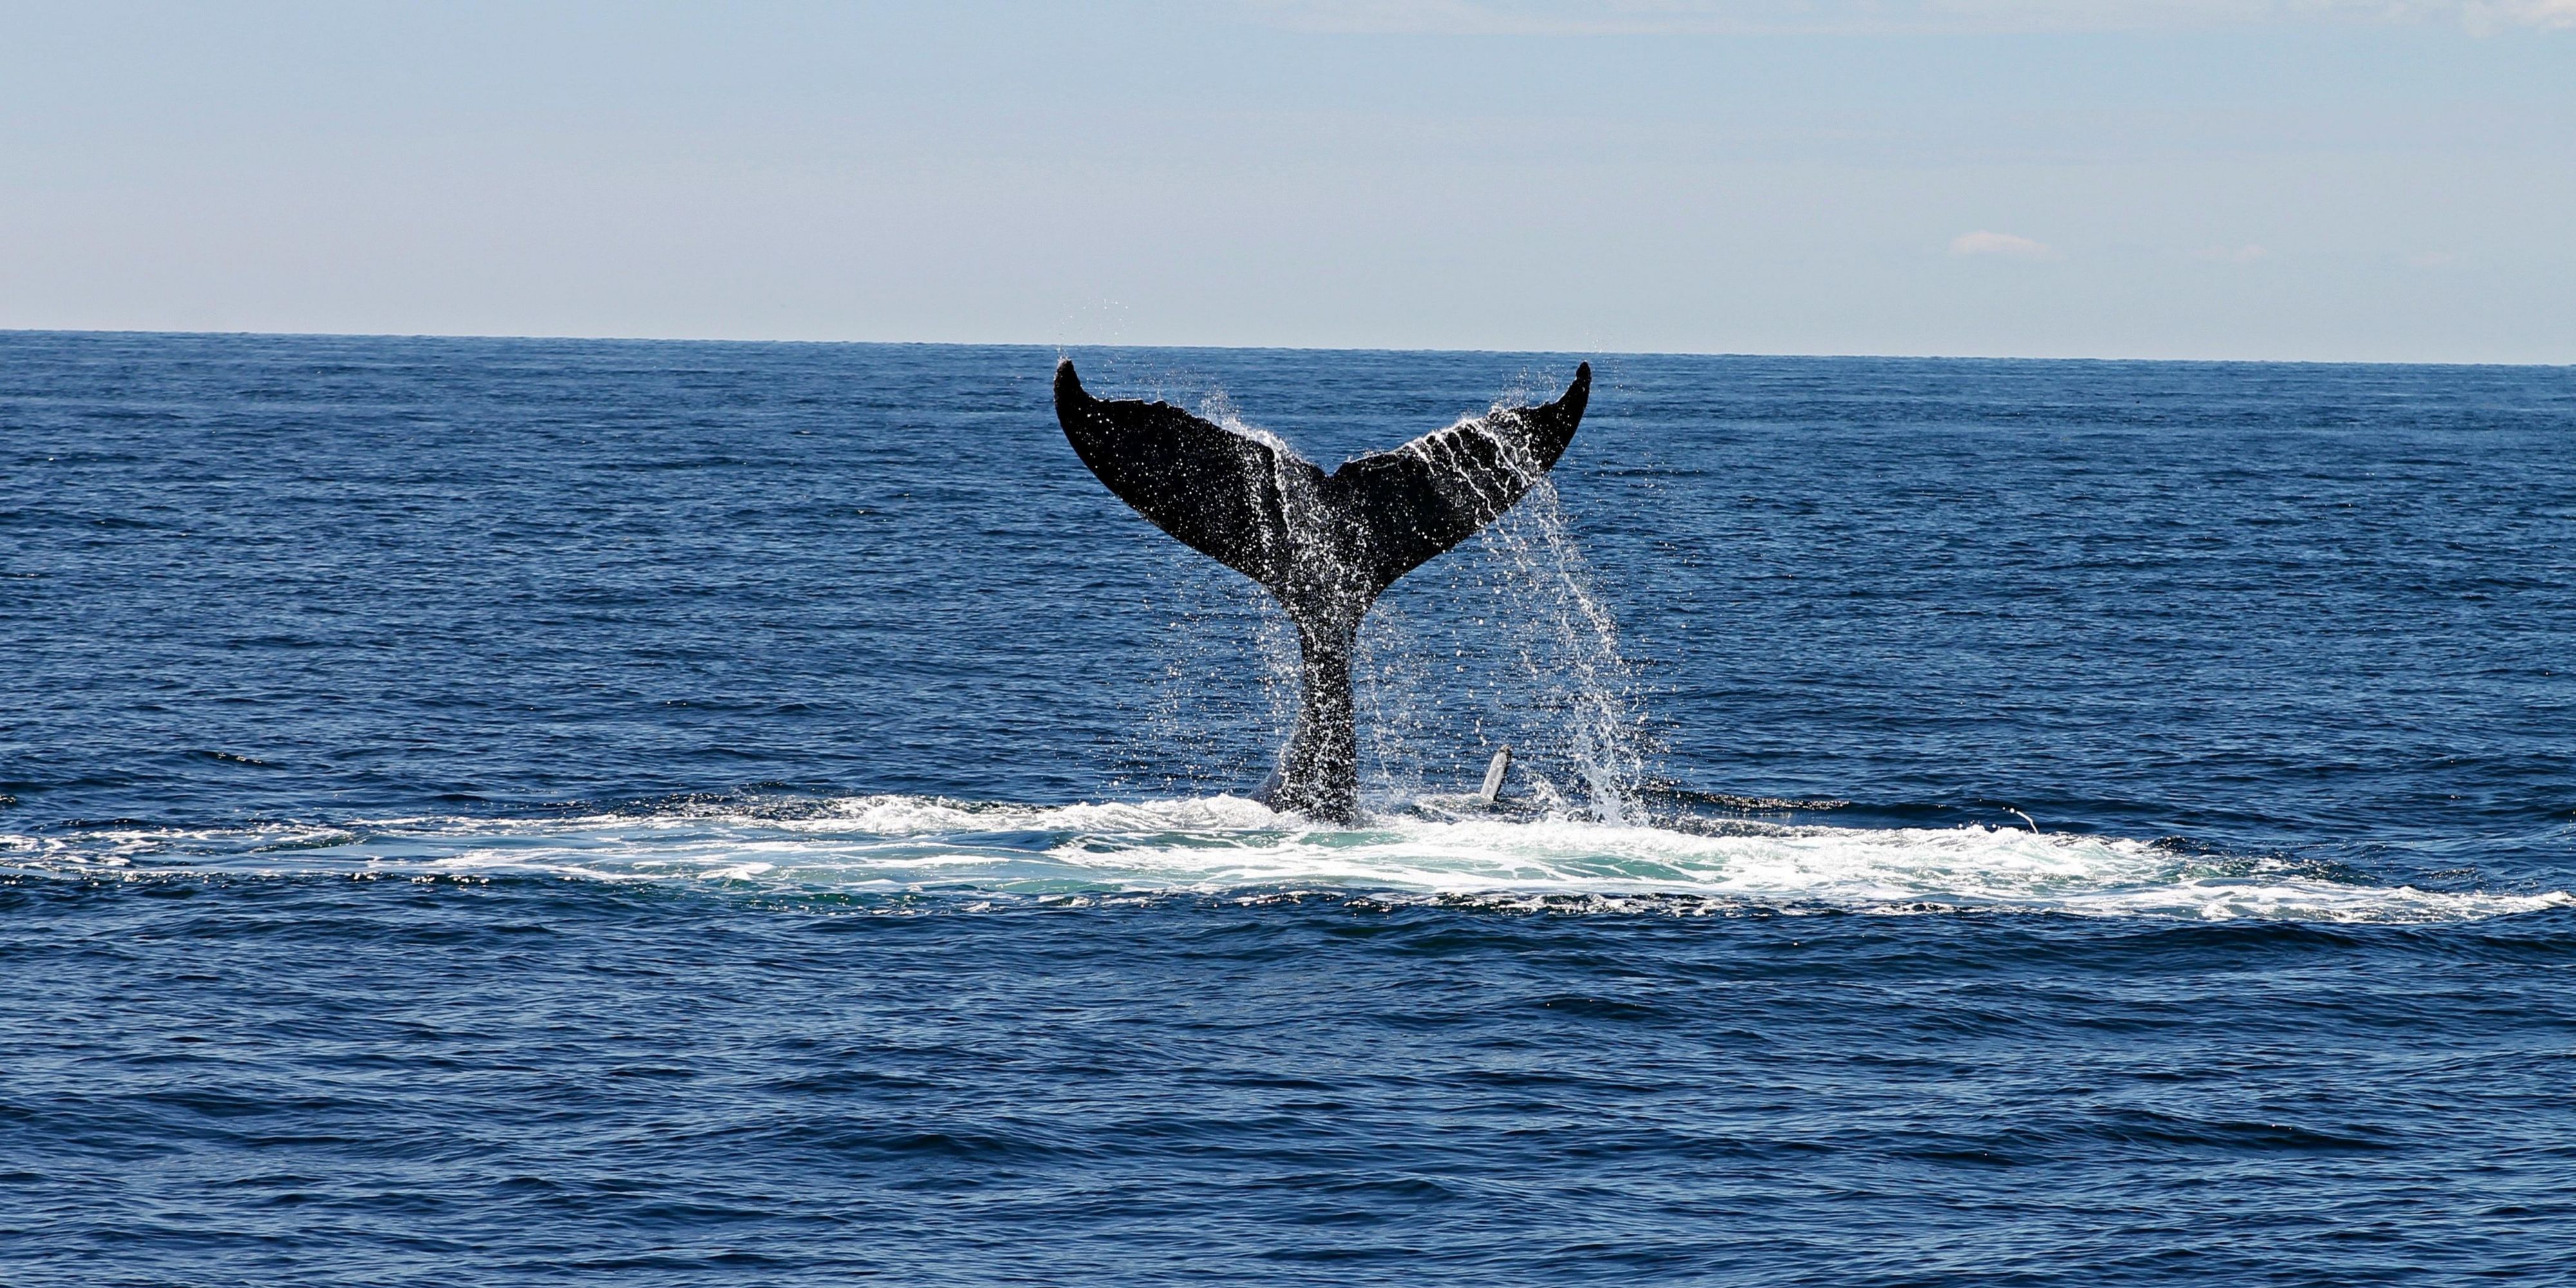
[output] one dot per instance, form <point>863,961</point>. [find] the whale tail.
<point>1325,545</point>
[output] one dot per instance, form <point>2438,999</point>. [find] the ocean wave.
<point>1228,846</point>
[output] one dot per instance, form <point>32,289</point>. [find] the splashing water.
<point>1563,645</point>
<point>1503,642</point>
<point>1510,645</point>
<point>911,847</point>
<point>1223,684</point>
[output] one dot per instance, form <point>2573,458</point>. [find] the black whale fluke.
<point>1324,544</point>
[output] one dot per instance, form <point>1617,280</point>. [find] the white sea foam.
<point>1228,846</point>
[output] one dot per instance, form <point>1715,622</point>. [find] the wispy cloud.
<point>1868,17</point>
<point>2001,245</point>
<point>2231,254</point>
<point>2492,15</point>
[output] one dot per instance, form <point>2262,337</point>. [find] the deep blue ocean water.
<point>499,811</point>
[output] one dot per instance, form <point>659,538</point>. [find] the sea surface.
<point>534,811</point>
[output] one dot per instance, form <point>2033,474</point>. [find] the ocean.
<point>518,811</point>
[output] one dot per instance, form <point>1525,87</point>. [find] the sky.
<point>2268,179</point>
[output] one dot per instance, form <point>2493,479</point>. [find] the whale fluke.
<point>1325,545</point>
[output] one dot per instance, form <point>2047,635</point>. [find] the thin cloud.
<point>2001,245</point>
<point>2231,254</point>
<point>2494,15</point>
<point>1883,17</point>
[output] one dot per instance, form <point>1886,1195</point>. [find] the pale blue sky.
<point>2122,178</point>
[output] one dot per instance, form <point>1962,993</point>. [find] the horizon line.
<point>1063,348</point>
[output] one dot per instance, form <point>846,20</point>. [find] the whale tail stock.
<point>1325,545</point>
